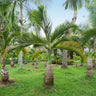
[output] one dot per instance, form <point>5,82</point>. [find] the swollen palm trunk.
<point>49,79</point>
<point>4,75</point>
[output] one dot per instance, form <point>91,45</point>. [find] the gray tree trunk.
<point>74,17</point>
<point>20,59</point>
<point>12,63</point>
<point>68,33</point>
<point>64,61</point>
<point>95,50</point>
<point>89,68</point>
<point>20,62</point>
<point>95,44</point>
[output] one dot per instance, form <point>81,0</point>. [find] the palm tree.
<point>3,43</point>
<point>87,35</point>
<point>7,35</point>
<point>20,3</point>
<point>92,16</point>
<point>74,5</point>
<point>50,40</point>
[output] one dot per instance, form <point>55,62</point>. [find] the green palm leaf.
<point>59,41</point>
<point>36,54</point>
<point>72,46</point>
<point>87,35</point>
<point>73,4</point>
<point>60,30</point>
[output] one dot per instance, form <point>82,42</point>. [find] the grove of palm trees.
<point>47,47</point>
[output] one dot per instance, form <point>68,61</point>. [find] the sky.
<point>59,15</point>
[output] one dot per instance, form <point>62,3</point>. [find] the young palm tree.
<point>50,39</point>
<point>3,7</point>
<point>7,34</point>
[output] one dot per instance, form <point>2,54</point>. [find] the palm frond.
<point>87,35</point>
<point>73,46</point>
<point>93,54</point>
<point>36,54</point>
<point>40,18</point>
<point>31,38</point>
<point>73,4</point>
<point>36,16</point>
<point>60,30</point>
<point>18,47</point>
<point>59,41</point>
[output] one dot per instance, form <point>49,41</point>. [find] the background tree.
<point>91,6</point>
<point>73,5</point>
<point>20,3</point>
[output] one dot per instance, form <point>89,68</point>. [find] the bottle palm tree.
<point>7,35</point>
<point>50,40</point>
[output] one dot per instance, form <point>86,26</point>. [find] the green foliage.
<point>73,4</point>
<point>70,61</point>
<point>91,6</point>
<point>93,54</point>
<point>34,55</point>
<point>51,39</point>
<point>60,30</point>
<point>59,40</point>
<point>76,58</point>
<point>36,15</point>
<point>87,35</point>
<point>73,46</point>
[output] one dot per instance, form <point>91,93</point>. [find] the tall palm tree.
<point>20,3</point>
<point>74,5</point>
<point>92,16</point>
<point>50,39</point>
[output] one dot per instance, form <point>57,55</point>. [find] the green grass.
<point>67,82</point>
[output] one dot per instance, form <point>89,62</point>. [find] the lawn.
<point>67,82</point>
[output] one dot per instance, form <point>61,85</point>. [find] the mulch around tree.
<point>10,81</point>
